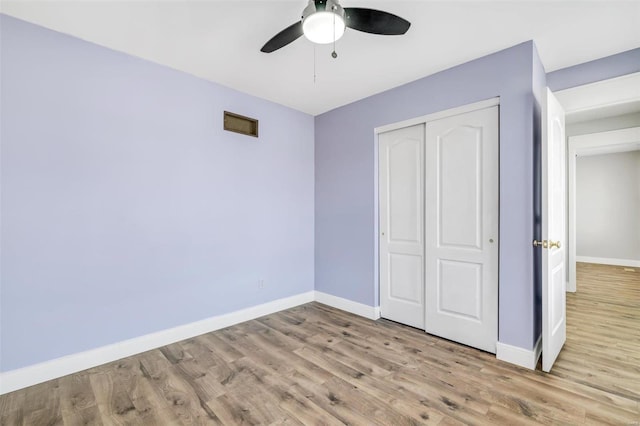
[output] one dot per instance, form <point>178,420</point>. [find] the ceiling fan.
<point>324,21</point>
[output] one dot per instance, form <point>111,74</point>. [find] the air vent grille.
<point>240,124</point>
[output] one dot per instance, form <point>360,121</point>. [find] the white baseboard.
<point>48,370</point>
<point>371,312</point>
<point>519,356</point>
<point>609,261</point>
<point>38,373</point>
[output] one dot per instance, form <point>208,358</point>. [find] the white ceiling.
<point>221,40</point>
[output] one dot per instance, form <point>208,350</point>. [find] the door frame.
<point>610,142</point>
<point>583,100</point>
<point>487,103</point>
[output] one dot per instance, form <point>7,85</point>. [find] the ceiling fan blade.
<point>284,37</point>
<point>375,21</point>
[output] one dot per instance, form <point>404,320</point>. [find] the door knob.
<point>542,243</point>
<point>553,244</point>
<point>546,244</point>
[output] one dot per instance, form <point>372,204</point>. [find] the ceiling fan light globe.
<point>319,28</point>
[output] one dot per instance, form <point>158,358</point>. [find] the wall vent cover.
<point>240,124</point>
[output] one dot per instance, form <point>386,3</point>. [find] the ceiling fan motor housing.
<point>323,21</point>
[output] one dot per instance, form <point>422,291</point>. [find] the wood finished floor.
<point>316,365</point>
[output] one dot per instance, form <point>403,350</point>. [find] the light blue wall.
<point>600,69</point>
<point>126,209</point>
<point>346,222</point>
<point>346,217</point>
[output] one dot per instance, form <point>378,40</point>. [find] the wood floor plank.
<point>219,347</point>
<point>577,392</point>
<point>291,398</point>
<point>231,411</point>
<point>177,392</point>
<point>82,416</point>
<point>151,407</point>
<point>77,401</point>
<point>314,364</point>
<point>408,402</point>
<point>12,407</point>
<point>114,408</point>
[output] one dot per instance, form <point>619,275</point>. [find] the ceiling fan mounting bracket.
<point>316,6</point>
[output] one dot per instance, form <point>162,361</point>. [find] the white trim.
<point>371,312</point>
<point>609,261</point>
<point>519,356</point>
<point>600,94</point>
<point>38,373</point>
<point>488,103</point>
<point>593,143</point>
<point>606,142</point>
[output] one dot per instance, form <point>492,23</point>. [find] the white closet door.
<point>401,213</point>
<point>462,228</point>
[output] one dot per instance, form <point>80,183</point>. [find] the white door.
<point>462,228</point>
<point>401,216</point>
<point>554,324</point>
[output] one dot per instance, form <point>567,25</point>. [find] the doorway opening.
<point>603,157</point>
<point>600,121</point>
<point>604,198</point>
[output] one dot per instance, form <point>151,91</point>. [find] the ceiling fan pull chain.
<point>314,64</point>
<point>334,55</point>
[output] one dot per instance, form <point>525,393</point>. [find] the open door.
<point>554,318</point>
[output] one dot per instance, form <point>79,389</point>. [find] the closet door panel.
<point>401,215</point>
<point>461,225</point>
